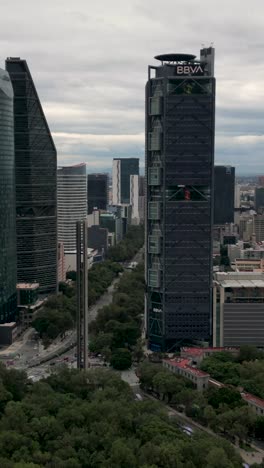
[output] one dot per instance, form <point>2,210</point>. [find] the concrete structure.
<point>61,263</point>
<point>255,403</point>
<point>70,259</point>
<point>246,228</point>
<point>8,260</point>
<point>237,196</point>
<point>72,203</point>
<point>123,168</point>
<point>181,366</point>
<point>180,126</point>
<point>234,252</point>
<point>82,294</point>
<point>224,194</point>
<point>134,198</point>
<point>255,265</point>
<point>238,309</point>
<point>36,183</point>
<point>97,192</point>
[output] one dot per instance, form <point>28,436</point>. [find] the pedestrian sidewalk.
<point>17,345</point>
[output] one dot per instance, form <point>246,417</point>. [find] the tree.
<point>248,353</point>
<point>217,458</point>
<point>259,428</point>
<point>225,395</point>
<point>121,359</point>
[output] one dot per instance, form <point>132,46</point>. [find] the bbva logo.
<point>188,69</point>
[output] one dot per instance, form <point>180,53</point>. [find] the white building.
<point>123,168</point>
<point>72,203</point>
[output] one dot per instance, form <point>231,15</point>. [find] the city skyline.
<point>98,113</point>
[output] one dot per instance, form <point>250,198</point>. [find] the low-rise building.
<point>257,404</point>
<point>238,309</point>
<point>28,302</point>
<point>196,355</point>
<point>181,366</point>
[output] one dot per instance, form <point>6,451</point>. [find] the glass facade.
<point>224,194</point>
<point>180,193</point>
<point>7,202</point>
<point>36,165</point>
<point>129,166</point>
<point>97,191</point>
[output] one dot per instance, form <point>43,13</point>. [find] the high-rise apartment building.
<point>7,202</point>
<point>72,203</point>
<point>36,164</point>
<point>224,194</point>
<point>97,192</point>
<point>123,168</point>
<point>180,127</point>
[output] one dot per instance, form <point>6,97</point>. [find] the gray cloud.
<point>89,63</point>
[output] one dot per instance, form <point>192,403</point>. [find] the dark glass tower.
<point>7,202</point>
<point>36,161</point>
<point>97,191</point>
<point>259,199</point>
<point>180,122</point>
<point>123,168</point>
<point>224,194</point>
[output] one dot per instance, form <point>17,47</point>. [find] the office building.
<point>72,203</point>
<point>224,194</point>
<point>98,239</point>
<point>7,202</point>
<point>180,127</point>
<point>97,192</point>
<point>123,168</point>
<point>258,227</point>
<point>259,199</point>
<point>36,165</point>
<point>238,317</point>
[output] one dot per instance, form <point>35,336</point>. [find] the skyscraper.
<point>224,194</point>
<point>97,190</point>
<point>180,121</point>
<point>72,203</point>
<point>7,202</point>
<point>35,162</point>
<point>123,168</point>
<point>259,199</point>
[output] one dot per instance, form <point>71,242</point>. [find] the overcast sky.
<point>89,62</point>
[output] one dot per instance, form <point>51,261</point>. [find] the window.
<point>154,278</point>
<point>155,140</point>
<point>154,176</point>
<point>155,105</point>
<point>154,210</point>
<point>154,244</point>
